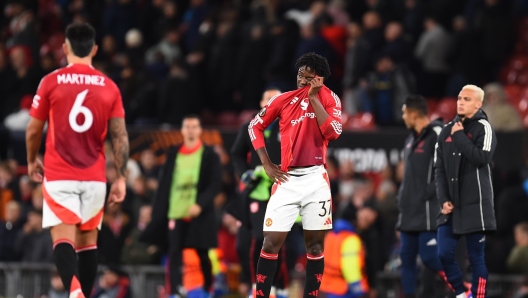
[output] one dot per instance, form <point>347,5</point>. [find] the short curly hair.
<point>315,62</point>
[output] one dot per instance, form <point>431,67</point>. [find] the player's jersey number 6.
<point>77,109</point>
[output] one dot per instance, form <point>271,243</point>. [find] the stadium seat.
<point>227,119</point>
<point>246,116</point>
<point>513,92</point>
<point>360,121</point>
<point>431,104</point>
<point>446,108</point>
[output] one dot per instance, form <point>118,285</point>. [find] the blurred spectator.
<point>21,29</point>
<point>373,36</point>
<point>19,120</point>
<point>193,20</point>
<point>501,114</point>
<point>413,18</point>
<point>26,79</point>
<point>183,211</point>
<point>34,243</point>
<point>384,91</point>
<point>168,47</point>
<point>148,164</point>
<point>114,283</point>
<point>432,50</point>
<point>518,259</point>
<point>305,18</point>
<point>135,252</point>
<point>465,62</point>
<point>177,96</point>
<point>523,291</point>
<point>495,26</point>
<point>6,192</point>
<point>56,287</point>
<point>9,230</point>
<point>48,63</point>
<point>135,48</point>
<point>396,45</point>
<point>119,17</point>
<point>354,65</point>
<point>115,229</point>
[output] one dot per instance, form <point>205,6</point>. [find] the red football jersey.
<point>77,101</point>
<point>303,141</point>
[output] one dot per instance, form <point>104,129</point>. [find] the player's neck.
<point>421,124</point>
<point>78,60</point>
<point>191,144</point>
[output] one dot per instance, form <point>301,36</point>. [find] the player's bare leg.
<point>267,264</point>
<point>314,241</point>
<point>86,248</point>
<point>63,236</point>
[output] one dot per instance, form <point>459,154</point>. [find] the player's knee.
<point>271,245</point>
<point>429,259</point>
<point>314,249</point>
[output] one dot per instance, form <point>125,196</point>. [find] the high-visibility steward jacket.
<point>344,262</point>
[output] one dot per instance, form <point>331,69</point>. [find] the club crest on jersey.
<point>262,112</point>
<point>269,222</point>
<point>304,104</point>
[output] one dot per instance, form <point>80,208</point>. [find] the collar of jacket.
<point>480,114</point>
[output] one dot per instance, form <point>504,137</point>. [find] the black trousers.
<point>177,237</point>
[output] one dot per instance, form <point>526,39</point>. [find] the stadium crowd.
<point>212,57</point>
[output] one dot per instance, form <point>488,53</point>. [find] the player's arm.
<point>33,139</point>
<point>119,136</point>
<point>432,139</point>
<point>481,151</point>
<point>442,188</point>
<point>256,133</point>
<point>39,113</point>
<point>351,265</point>
<point>329,118</point>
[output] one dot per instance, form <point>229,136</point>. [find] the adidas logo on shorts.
<point>328,221</point>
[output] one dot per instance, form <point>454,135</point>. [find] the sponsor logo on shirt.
<point>80,79</point>
<point>300,119</point>
<point>35,103</point>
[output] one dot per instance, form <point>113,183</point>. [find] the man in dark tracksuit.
<point>246,161</point>
<point>417,195</point>
<point>465,191</point>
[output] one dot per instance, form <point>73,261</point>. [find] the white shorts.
<point>307,192</point>
<point>72,202</point>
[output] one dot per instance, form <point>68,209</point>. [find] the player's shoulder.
<point>282,97</point>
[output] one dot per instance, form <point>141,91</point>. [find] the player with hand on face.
<point>309,118</point>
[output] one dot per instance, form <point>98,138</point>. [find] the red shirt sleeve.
<point>332,127</point>
<point>263,119</point>
<point>41,105</point>
<point>117,108</point>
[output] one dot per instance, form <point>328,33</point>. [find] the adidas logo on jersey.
<point>328,221</point>
<point>294,100</point>
<point>448,140</point>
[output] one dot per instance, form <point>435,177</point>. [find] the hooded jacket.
<point>463,174</point>
<point>417,199</point>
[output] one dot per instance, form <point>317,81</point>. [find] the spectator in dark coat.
<point>9,230</point>
<point>34,243</point>
<point>183,207</point>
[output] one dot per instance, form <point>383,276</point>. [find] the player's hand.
<point>447,208</point>
<point>195,211</point>
<point>456,127</point>
<point>275,173</point>
<point>315,85</point>
<point>117,191</point>
<point>35,170</point>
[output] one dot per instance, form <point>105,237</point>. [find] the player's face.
<point>408,117</point>
<point>468,103</point>
<point>267,96</point>
<point>191,129</point>
<point>304,76</point>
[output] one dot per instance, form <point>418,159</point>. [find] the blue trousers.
<point>414,244</point>
<point>475,244</point>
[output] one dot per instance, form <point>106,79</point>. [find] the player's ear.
<point>94,50</point>
<point>65,49</point>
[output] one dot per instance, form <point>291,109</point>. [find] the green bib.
<point>184,187</point>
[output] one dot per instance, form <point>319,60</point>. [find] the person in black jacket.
<point>252,206</point>
<point>464,188</point>
<point>417,195</point>
<point>189,181</point>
